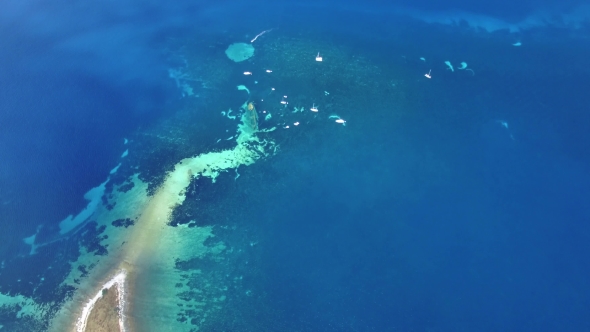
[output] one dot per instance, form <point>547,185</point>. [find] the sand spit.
<point>102,313</point>
<point>103,318</point>
<point>150,245</point>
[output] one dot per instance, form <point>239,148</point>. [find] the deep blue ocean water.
<point>467,213</point>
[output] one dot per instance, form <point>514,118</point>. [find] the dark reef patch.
<point>200,208</point>
<point>90,238</point>
<point>123,222</point>
<point>126,187</point>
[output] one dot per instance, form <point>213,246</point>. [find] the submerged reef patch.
<point>123,222</point>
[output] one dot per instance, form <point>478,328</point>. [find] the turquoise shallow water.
<point>450,203</point>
